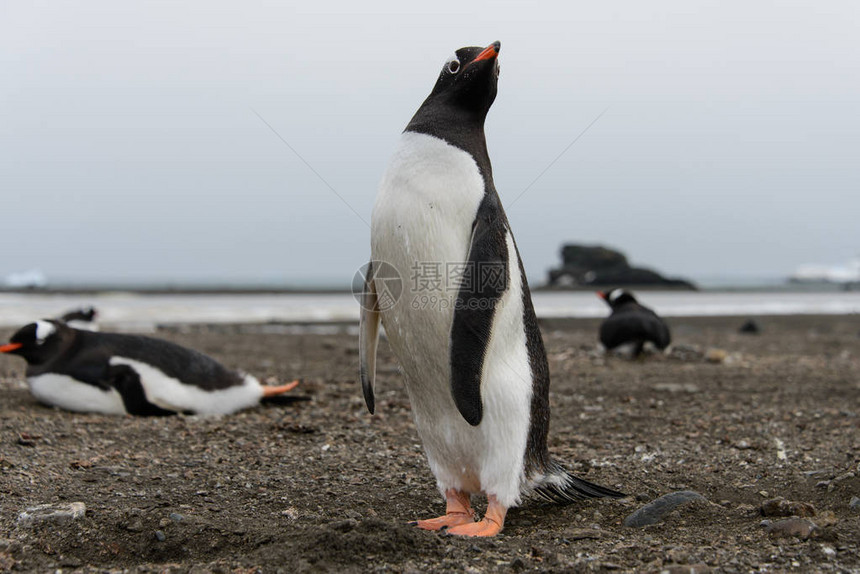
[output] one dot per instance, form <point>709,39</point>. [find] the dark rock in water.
<point>657,509</point>
<point>792,527</point>
<point>598,266</point>
<point>592,257</point>
<point>750,328</point>
<point>782,507</point>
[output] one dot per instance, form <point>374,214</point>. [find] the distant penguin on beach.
<point>118,374</point>
<point>83,318</point>
<point>470,347</point>
<point>631,324</point>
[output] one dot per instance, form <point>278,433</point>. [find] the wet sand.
<point>321,485</point>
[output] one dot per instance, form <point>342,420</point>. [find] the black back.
<point>631,322</point>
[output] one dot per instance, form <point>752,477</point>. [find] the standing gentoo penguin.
<point>83,318</point>
<point>631,324</point>
<point>475,366</point>
<point>115,374</point>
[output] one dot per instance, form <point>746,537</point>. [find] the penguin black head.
<point>38,342</point>
<point>469,79</point>
<point>616,297</point>
<point>87,314</point>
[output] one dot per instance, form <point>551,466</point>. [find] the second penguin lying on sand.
<point>117,374</point>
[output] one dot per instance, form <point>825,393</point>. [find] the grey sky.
<point>129,147</point>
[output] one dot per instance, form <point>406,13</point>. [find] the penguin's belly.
<point>422,224</point>
<point>73,395</point>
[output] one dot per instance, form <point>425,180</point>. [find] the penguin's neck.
<point>456,126</point>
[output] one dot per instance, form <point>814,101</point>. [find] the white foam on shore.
<point>135,312</point>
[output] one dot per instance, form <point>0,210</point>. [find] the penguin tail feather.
<point>561,487</point>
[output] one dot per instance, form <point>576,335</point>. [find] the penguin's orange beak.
<point>490,52</point>
<point>601,294</point>
<point>10,347</point>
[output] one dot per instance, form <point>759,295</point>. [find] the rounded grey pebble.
<point>657,509</point>
<point>159,535</point>
<point>176,517</point>
<point>854,504</point>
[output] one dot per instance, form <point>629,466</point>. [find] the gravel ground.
<point>320,485</point>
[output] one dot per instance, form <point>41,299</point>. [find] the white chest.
<point>426,203</point>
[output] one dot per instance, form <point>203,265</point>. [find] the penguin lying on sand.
<point>474,361</point>
<point>119,374</point>
<point>83,318</point>
<point>631,324</point>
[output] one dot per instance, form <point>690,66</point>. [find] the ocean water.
<point>143,312</point>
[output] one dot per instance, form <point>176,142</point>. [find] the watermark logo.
<point>432,285</point>
<point>386,280</point>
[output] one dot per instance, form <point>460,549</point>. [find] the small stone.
<point>7,562</point>
<point>686,569</point>
<point>854,504</point>
<point>716,356</point>
<point>159,535</point>
<point>792,527</point>
<point>689,388</point>
<point>781,507</point>
<point>826,518</point>
<point>582,534</point>
<point>657,509</point>
<point>52,514</point>
<point>686,352</point>
<point>176,517</point>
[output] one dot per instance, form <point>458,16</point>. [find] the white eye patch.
<point>614,294</point>
<point>44,330</point>
<point>452,64</point>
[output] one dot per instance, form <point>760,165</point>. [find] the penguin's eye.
<point>454,66</point>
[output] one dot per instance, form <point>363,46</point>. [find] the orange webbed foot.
<point>447,521</point>
<point>484,528</point>
<point>491,525</point>
<point>458,512</point>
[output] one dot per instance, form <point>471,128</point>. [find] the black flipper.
<point>368,337</point>
<point>127,383</point>
<point>485,280</point>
